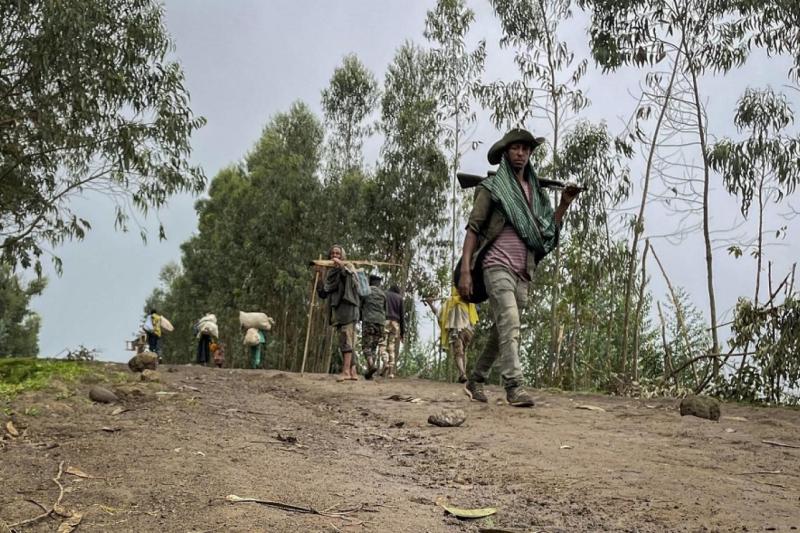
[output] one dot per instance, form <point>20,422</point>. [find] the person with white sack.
<point>207,330</point>
<point>152,328</point>
<point>255,327</point>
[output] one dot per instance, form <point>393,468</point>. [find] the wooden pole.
<point>308,329</point>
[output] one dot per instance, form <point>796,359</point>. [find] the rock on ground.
<point>143,361</point>
<point>102,395</point>
<point>700,406</point>
<point>447,418</point>
<point>150,375</point>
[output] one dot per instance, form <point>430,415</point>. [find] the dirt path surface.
<point>168,462</point>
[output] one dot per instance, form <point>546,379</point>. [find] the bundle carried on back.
<point>256,321</point>
<point>208,326</point>
<point>251,337</point>
<point>166,325</point>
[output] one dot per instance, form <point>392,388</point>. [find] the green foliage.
<point>88,101</point>
<point>18,374</point>
<point>409,188</point>
<point>19,326</point>
<point>773,369</point>
<point>347,104</point>
<point>767,157</point>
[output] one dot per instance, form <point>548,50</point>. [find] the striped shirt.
<point>508,250</point>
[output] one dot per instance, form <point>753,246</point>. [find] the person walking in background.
<point>339,284</point>
<point>394,330</point>
<point>457,320</point>
<point>206,330</point>
<point>152,327</point>
<point>373,320</point>
<point>257,347</point>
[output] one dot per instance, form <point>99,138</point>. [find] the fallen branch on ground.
<point>57,504</point>
<point>294,508</point>
<point>781,444</point>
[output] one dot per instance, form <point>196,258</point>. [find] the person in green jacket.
<point>339,286</point>
<point>373,318</point>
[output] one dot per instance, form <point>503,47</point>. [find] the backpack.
<point>362,283</point>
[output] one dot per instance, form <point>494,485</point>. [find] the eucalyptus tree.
<point>763,168</point>
<point>702,38</point>
<point>348,102</point>
<point>257,230</point>
<point>19,324</point>
<point>89,101</point>
<point>456,71</point>
<point>405,215</point>
<point>760,169</point>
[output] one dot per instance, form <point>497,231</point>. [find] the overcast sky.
<point>248,60</point>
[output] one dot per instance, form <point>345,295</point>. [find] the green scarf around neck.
<point>536,225</point>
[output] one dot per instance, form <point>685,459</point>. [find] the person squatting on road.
<point>457,320</point>
<point>339,284</point>
<point>373,320</point>
<point>511,228</point>
<point>394,330</point>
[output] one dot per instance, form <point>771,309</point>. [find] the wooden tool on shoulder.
<point>468,181</point>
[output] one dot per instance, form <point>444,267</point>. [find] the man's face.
<point>518,155</point>
<point>336,253</point>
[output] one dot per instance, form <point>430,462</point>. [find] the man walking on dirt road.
<point>512,226</point>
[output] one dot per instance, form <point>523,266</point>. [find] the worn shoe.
<point>462,378</point>
<point>474,390</point>
<point>518,397</point>
<point>370,372</point>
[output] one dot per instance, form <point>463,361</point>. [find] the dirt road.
<point>367,463</point>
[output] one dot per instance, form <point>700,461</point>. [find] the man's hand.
<point>571,191</point>
<point>465,284</point>
<point>338,262</point>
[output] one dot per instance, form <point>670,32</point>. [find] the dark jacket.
<point>394,310</point>
<point>373,307</point>
<point>345,302</point>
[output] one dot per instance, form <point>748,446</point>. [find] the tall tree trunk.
<point>638,316</point>
<point>678,316</point>
<point>638,227</point>
<point>706,229</point>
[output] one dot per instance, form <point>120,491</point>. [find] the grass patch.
<point>20,374</point>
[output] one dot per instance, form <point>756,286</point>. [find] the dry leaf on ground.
<point>77,472</point>
<point>11,429</point>
<point>69,525</point>
<point>590,408</point>
<point>467,513</point>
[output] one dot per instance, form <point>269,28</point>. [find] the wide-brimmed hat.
<point>517,135</point>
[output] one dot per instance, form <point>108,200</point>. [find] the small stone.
<point>700,406</point>
<point>102,395</point>
<point>447,418</point>
<point>150,375</point>
<point>143,361</point>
